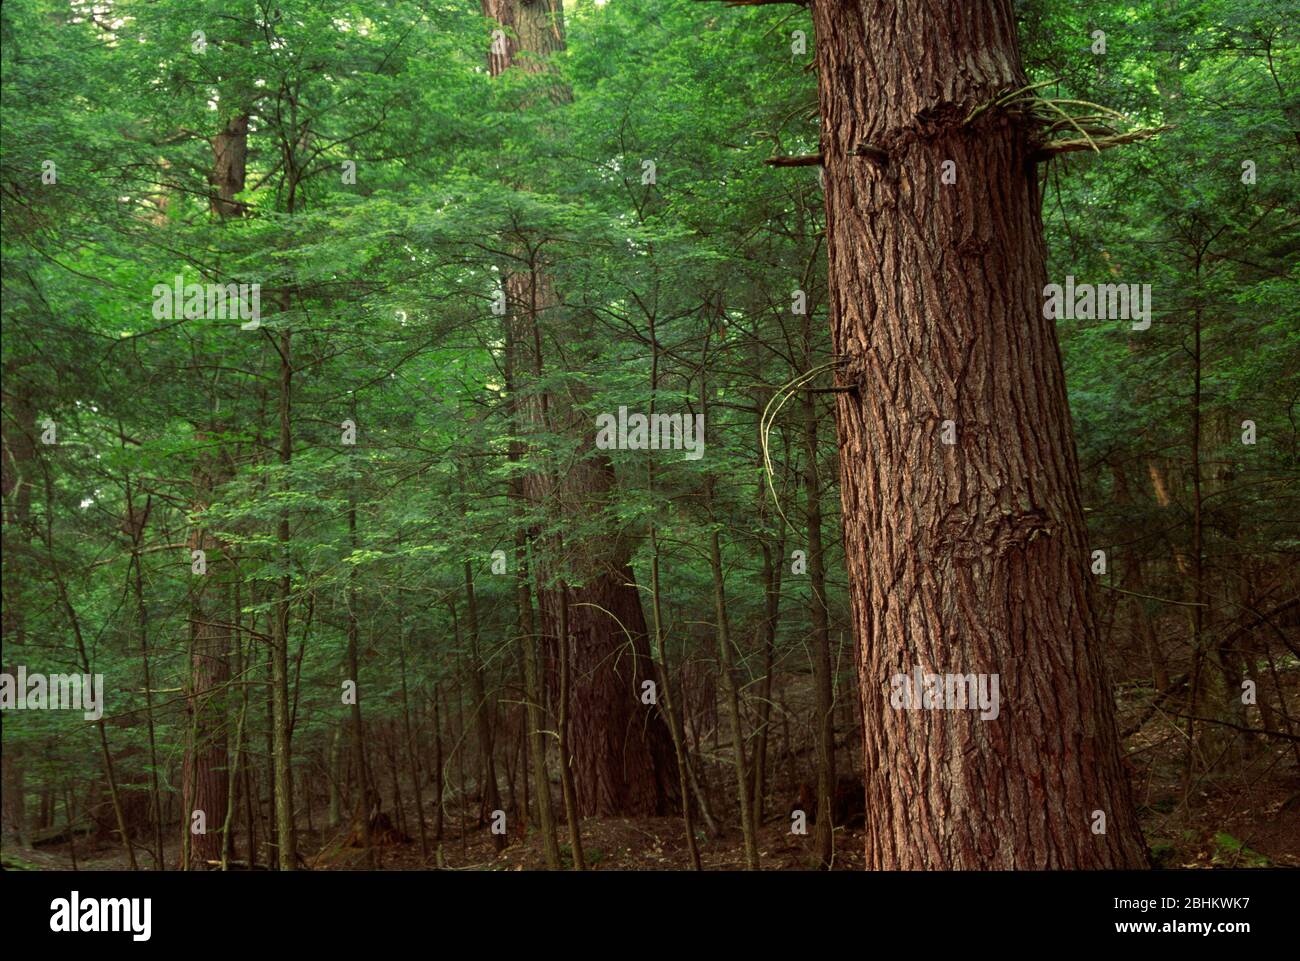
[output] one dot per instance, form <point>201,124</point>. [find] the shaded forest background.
<point>466,254</point>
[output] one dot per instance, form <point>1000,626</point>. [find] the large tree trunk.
<point>204,776</point>
<point>533,689</point>
<point>204,783</point>
<point>622,753</point>
<point>970,557</point>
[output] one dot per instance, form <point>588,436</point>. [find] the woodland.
<point>650,434</point>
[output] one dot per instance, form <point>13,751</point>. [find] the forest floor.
<point>1244,814</point>
<point>1250,818</point>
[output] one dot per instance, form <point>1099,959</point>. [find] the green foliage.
<point>386,286</point>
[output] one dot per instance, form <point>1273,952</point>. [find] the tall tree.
<point>204,788</point>
<point>622,751</point>
<point>967,557</point>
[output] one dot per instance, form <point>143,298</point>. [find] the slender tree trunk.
<point>232,782</point>
<point>369,804</point>
<point>534,694</point>
<point>61,587</point>
<point>286,833</point>
<point>659,646</point>
<point>70,810</point>
<point>967,557</point>
<point>399,806</point>
<point>438,781</point>
<point>408,737</point>
<point>566,769</point>
<point>665,686</point>
<point>239,773</point>
<point>1198,744</point>
<point>459,747</point>
<point>771,575</point>
<point>1140,628</point>
<point>726,669</point>
<point>18,434</point>
<point>823,681</point>
<point>482,712</point>
<point>270,824</point>
<point>142,622</point>
<point>334,805</point>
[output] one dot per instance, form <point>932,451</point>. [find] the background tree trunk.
<point>18,433</point>
<point>204,784</point>
<point>622,756</point>
<point>286,837</point>
<point>483,711</point>
<point>823,680</point>
<point>229,165</point>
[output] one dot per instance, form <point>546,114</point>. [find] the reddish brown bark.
<point>622,753</point>
<point>969,558</point>
<point>229,165</point>
<point>204,779</point>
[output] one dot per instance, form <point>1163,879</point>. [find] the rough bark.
<point>971,557</point>
<point>533,30</point>
<point>229,163</point>
<point>204,786</point>
<point>622,753</point>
